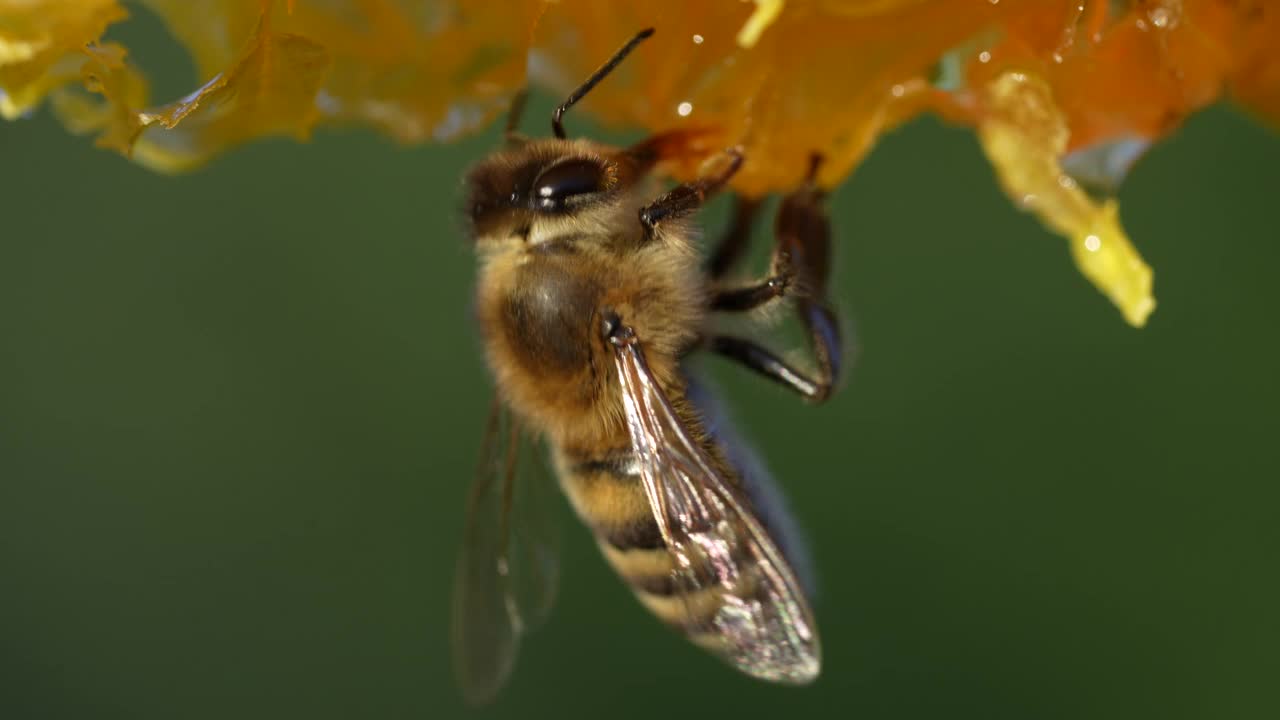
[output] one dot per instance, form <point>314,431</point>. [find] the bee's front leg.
<point>687,197</point>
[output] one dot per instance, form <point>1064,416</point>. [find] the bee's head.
<point>556,189</point>
<point>541,189</point>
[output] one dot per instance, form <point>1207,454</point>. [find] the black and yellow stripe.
<point>607,493</point>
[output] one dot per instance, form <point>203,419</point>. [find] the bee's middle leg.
<point>801,261</point>
<point>733,244</point>
<point>800,268</point>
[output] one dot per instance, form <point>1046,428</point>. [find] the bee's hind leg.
<point>763,361</point>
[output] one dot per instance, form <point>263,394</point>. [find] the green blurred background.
<point>240,409</point>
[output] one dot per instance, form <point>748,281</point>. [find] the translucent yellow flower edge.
<point>1025,136</point>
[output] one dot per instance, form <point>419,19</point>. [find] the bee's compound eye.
<point>564,180</point>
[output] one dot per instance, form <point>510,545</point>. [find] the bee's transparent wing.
<point>741,598</point>
<point>508,565</point>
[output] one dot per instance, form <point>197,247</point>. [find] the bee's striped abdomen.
<point>608,495</point>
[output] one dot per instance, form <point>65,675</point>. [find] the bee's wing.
<point>741,598</point>
<point>508,565</point>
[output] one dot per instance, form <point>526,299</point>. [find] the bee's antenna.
<point>597,76</point>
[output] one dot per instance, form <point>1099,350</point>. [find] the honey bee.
<point>591,297</point>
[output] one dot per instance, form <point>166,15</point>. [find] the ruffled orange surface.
<point>1062,93</point>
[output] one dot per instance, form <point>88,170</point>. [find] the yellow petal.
<point>1105,256</point>
<point>1025,136</point>
<point>269,90</point>
<point>40,44</point>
